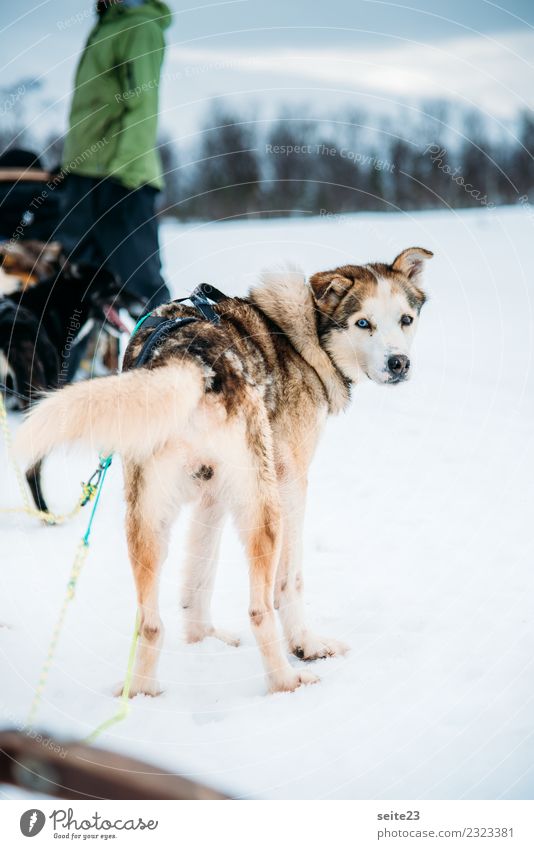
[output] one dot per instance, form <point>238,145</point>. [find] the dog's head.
<point>30,261</point>
<point>368,315</point>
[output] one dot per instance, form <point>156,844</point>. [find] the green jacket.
<point>114,111</point>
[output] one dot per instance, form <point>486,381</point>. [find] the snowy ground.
<point>418,545</point>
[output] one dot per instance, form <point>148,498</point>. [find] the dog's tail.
<point>132,413</point>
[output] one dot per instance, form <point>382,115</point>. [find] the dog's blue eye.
<point>362,322</point>
<point>406,319</point>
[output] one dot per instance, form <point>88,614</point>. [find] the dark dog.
<point>40,331</point>
<point>24,351</point>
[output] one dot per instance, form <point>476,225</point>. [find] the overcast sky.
<point>274,51</point>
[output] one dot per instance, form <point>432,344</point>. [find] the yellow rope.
<point>45,515</point>
<point>88,489</point>
<point>79,560</point>
<point>124,707</point>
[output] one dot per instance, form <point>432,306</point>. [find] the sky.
<point>371,53</point>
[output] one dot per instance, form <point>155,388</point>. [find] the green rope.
<point>139,323</point>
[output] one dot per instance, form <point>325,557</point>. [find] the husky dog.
<point>228,416</point>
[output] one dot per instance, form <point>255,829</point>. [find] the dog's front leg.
<point>199,573</point>
<point>289,584</point>
<point>256,505</point>
<point>262,548</point>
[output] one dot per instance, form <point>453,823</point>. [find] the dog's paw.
<point>197,633</point>
<point>287,682</point>
<point>313,647</point>
<point>226,637</point>
<point>140,686</point>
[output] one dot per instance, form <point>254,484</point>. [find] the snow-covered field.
<point>419,552</point>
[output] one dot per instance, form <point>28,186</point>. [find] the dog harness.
<point>200,298</point>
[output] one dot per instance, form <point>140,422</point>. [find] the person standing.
<point>110,161</point>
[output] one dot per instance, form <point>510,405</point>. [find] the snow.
<point>418,552</point>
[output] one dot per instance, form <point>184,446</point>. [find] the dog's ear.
<point>410,263</point>
<point>329,287</point>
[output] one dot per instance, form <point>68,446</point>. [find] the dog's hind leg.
<point>33,477</point>
<point>199,575</point>
<point>147,548</point>
<point>148,522</point>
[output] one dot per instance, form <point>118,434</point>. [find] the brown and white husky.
<point>228,416</point>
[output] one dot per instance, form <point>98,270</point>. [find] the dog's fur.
<point>39,328</point>
<point>228,416</point>
<point>23,263</point>
<point>40,325</point>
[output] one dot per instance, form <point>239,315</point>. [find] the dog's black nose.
<point>398,365</point>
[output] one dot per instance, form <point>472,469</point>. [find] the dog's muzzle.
<point>398,367</point>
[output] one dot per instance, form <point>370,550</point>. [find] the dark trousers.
<point>104,223</point>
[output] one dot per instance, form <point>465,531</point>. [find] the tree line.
<point>301,166</point>
<point>436,156</point>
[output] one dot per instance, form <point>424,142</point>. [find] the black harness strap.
<point>162,327</point>
<point>201,298</point>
